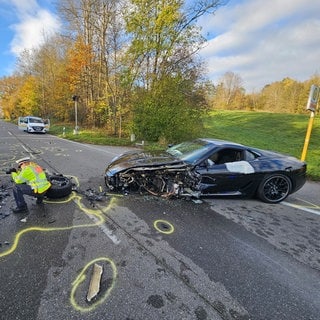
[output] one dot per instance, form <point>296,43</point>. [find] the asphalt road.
<point>161,259</point>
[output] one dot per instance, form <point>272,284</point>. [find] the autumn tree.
<point>9,98</point>
<point>96,25</point>
<point>229,93</point>
<point>135,66</point>
<point>19,96</point>
<point>47,65</point>
<point>162,56</point>
<point>283,96</point>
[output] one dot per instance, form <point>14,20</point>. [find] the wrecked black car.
<point>207,167</point>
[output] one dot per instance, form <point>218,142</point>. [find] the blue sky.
<point>24,24</point>
<point>262,41</point>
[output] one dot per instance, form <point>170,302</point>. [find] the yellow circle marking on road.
<point>82,276</point>
<point>167,227</point>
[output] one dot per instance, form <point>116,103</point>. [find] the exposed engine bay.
<point>164,181</point>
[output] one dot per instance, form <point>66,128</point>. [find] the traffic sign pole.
<point>311,106</point>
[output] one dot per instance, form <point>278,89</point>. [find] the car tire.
<point>61,186</point>
<point>274,188</point>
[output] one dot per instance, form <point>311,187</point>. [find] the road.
<point>161,259</point>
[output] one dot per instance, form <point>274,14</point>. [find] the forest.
<point>132,66</point>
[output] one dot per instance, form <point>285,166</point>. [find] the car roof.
<point>35,117</point>
<point>220,142</point>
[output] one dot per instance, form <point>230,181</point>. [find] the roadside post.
<point>76,99</point>
<point>312,107</point>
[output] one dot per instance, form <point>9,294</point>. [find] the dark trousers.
<point>19,190</point>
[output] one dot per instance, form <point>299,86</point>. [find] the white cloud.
<point>263,41</point>
<point>34,25</point>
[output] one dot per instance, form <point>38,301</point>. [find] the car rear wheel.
<point>61,186</point>
<point>274,188</point>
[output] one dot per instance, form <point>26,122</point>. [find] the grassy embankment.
<point>279,132</point>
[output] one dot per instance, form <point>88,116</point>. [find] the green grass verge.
<point>284,133</point>
<point>96,136</point>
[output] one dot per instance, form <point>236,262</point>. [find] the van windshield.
<point>35,120</point>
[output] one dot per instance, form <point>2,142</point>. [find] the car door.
<point>225,171</point>
<point>46,124</point>
<point>22,124</point>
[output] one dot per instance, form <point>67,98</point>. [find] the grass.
<point>96,136</point>
<point>284,133</point>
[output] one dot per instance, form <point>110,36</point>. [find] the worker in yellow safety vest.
<point>29,179</point>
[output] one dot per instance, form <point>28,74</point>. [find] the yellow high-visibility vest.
<point>34,176</point>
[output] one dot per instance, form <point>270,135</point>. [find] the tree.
<point>162,56</point>
<point>172,112</point>
<point>229,92</point>
<point>47,65</point>
<point>9,99</point>
<point>28,102</point>
<point>98,25</point>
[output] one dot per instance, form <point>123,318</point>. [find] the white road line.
<point>97,148</point>
<point>288,204</point>
<point>23,147</point>
<point>28,151</point>
<point>109,233</point>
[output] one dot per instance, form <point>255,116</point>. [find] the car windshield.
<point>190,151</point>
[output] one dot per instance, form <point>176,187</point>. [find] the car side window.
<point>228,155</point>
<point>250,156</point>
<point>213,159</point>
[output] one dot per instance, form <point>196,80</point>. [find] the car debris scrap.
<point>95,280</point>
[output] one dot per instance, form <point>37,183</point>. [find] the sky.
<point>24,24</point>
<point>262,41</point>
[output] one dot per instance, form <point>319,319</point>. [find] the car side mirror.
<point>210,163</point>
<point>206,164</point>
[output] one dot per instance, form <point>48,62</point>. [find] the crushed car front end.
<point>159,174</point>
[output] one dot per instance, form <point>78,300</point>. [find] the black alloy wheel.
<point>274,188</point>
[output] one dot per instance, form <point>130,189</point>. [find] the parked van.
<point>33,124</point>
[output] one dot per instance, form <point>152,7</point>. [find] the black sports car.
<point>208,167</point>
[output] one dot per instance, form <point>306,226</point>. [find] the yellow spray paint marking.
<point>76,199</point>
<point>163,226</point>
<point>82,276</point>
<point>100,219</point>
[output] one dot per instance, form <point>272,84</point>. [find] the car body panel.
<point>218,179</point>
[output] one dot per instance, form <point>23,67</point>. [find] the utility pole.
<point>76,99</point>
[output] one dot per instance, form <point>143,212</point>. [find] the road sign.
<point>313,98</point>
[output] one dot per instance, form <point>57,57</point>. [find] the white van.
<point>33,124</point>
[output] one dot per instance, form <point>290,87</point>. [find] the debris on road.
<point>94,286</point>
